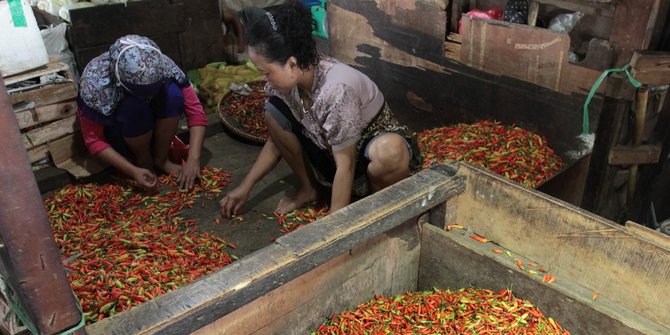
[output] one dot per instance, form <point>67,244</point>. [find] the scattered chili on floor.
<point>127,247</point>
<point>510,151</point>
<point>293,220</point>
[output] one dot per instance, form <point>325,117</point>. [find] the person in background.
<point>130,101</point>
<point>329,121</point>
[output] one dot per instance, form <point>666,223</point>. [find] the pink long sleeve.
<point>195,115</point>
<point>94,135</point>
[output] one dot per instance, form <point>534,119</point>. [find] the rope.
<point>585,118</point>
<point>15,308</point>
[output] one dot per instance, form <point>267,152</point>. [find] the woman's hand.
<point>145,178</point>
<point>233,201</point>
<point>190,171</point>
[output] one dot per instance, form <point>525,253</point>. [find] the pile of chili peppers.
<point>122,248</point>
<point>509,151</point>
<point>293,220</point>
<point>247,110</point>
<point>466,311</point>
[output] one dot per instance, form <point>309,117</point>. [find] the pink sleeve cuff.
<point>195,115</point>
<point>94,135</point>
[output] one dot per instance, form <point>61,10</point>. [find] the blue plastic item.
<point>311,3</point>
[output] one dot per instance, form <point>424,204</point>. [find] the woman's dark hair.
<point>283,32</point>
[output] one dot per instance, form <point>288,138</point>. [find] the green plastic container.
<point>319,15</point>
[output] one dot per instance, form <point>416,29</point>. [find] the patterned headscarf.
<point>132,59</point>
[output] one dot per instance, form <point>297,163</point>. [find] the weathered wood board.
<point>189,32</point>
<point>47,95</point>
<point>38,115</point>
<point>452,260</point>
<point>218,294</point>
<point>514,50</point>
<point>577,246</point>
<point>387,265</point>
<point>49,132</point>
<point>54,66</point>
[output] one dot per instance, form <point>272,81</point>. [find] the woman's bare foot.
<point>171,168</point>
<point>302,197</point>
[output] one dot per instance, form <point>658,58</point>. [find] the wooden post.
<point>640,115</point>
<point>34,271</point>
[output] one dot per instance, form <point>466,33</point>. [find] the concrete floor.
<point>256,230</point>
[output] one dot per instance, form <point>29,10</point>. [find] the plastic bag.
<point>491,14</point>
<point>56,45</point>
<point>178,152</point>
<point>564,23</point>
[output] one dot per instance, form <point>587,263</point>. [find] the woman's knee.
<point>389,151</point>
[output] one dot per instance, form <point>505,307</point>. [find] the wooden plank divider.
<point>204,301</point>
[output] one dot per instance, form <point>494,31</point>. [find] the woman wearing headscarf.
<point>130,101</point>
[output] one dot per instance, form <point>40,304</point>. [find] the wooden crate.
<point>395,240</point>
<point>44,112</point>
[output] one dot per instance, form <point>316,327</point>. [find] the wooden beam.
<point>202,302</point>
<point>36,116</point>
<point>47,95</point>
<point>518,51</point>
<point>633,24</point>
<point>650,235</point>
<point>634,154</point>
<point>49,132</point>
<point>53,66</point>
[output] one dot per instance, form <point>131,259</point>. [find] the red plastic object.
<point>491,14</point>
<point>178,152</point>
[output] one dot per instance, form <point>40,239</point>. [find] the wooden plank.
<point>38,115</point>
<point>533,10</point>
<point>574,244</point>
<point>634,21</point>
<point>452,51</point>
<point>38,153</point>
<point>53,66</point>
<point>47,95</point>
<point>652,236</point>
<point>634,154</point>
<point>387,265</point>
<point>652,77</point>
<point>519,51</point>
<point>49,132</point>
<point>204,301</point>
<point>650,60</point>
<point>651,67</point>
<point>473,264</point>
<point>101,25</point>
<point>580,80</point>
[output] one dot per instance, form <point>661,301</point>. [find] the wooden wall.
<point>428,84</point>
<point>189,32</point>
<point>576,246</point>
